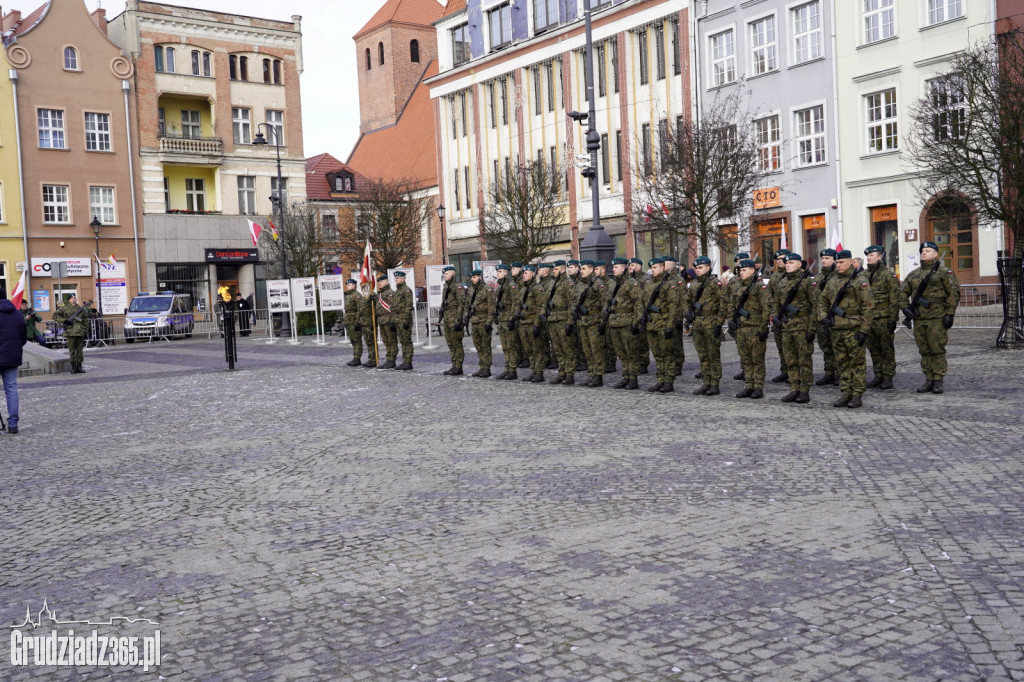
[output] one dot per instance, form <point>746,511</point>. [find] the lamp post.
<point>596,245</point>
<point>278,201</point>
<point>96,225</point>
<point>444,237</point>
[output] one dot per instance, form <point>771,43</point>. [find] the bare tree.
<point>525,211</point>
<point>699,176</point>
<point>391,216</point>
<point>965,146</point>
<point>300,242</point>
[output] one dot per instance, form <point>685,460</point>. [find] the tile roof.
<point>317,169</point>
<point>454,6</point>
<point>421,12</point>
<point>407,149</point>
<point>27,23</point>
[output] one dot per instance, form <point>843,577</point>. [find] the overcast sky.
<point>330,91</point>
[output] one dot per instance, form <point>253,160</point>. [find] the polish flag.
<point>366,278</point>
<point>785,241</point>
<point>254,231</point>
<point>19,292</point>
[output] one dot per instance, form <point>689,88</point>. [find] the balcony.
<point>191,145</point>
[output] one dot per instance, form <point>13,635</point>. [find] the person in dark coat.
<point>12,340</point>
<point>244,311</point>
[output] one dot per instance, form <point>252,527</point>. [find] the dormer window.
<point>337,183</point>
<point>70,59</point>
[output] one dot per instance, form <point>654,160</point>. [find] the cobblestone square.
<point>297,519</point>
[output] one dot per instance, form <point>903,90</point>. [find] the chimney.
<point>99,17</point>
<point>10,20</point>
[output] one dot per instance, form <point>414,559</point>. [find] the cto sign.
<point>76,267</point>
<point>769,197</point>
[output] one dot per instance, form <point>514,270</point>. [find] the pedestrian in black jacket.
<point>12,340</point>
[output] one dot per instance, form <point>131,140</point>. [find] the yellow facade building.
<point>12,242</point>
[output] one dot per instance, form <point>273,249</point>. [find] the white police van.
<point>163,314</point>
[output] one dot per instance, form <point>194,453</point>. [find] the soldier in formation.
<point>453,297</point>
<point>826,269</point>
<point>793,308</point>
<point>932,293</point>
<point>750,310</point>
<point>884,318</point>
<point>506,304</point>
<point>387,321</point>
<point>478,315</point>
<point>401,314</point>
<point>704,307</point>
<point>845,310</point>
<point>352,322</point>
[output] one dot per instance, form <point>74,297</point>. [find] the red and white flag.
<point>366,278</point>
<point>19,292</point>
<point>273,230</point>
<point>254,231</point>
<point>785,242</point>
<point>837,240</point>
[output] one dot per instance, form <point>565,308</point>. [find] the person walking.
<point>12,340</point>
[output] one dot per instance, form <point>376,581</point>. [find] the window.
<point>246,195</point>
<point>56,207</point>
<point>504,101</point>
<point>549,70</point>
<point>645,67</point>
<point>659,52</point>
<point>493,102</point>
<point>949,110</point>
<point>195,194</point>
<point>465,118</point>
<point>197,67</point>
<point>167,194</point>
<point>458,200</point>
<point>241,125</point>
<point>602,72</point>
<point>169,59</point>
<point>51,129</point>
<point>879,20</point>
<point>190,124</point>
<point>941,10</point>
<point>675,47</point>
<point>807,36</point>
<point>460,45</point>
<point>277,71</point>
<point>414,51</point>
<point>606,160</point>
<point>329,225</point>
<point>762,46</point>
<point>380,53</point>
<point>233,67</point>
<point>163,59</point>
<point>810,136</point>
<point>243,68</point>
<point>500,21</point>
<point>369,61</point>
<point>535,77</point>
<point>469,203</point>
<point>545,14</point>
<point>615,65</point>
<point>206,64</point>
<point>663,151</point>
<point>279,191</point>
<point>455,120</point>
<point>767,131</point>
<point>97,132</point>
<point>882,125</point>
<point>70,59</point>
<point>266,71</point>
<point>101,204</point>
<point>161,122</point>
<point>645,141</point>
<point>723,58</point>
<point>275,120</point>
<point>618,155</point>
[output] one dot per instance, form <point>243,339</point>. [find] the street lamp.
<point>444,237</point>
<point>96,225</point>
<point>597,245</point>
<point>278,201</point>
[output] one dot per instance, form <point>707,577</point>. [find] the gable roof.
<point>407,149</point>
<point>454,7</point>
<point>419,12</point>
<point>27,23</point>
<point>317,169</point>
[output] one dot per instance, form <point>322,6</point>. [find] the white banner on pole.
<point>435,285</point>
<point>410,281</point>
<point>303,294</point>
<point>114,297</point>
<point>332,292</point>
<point>279,295</point>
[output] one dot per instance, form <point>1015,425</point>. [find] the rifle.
<point>471,308</point>
<point>650,307</point>
<point>834,309</point>
<point>607,312</point>
<point>518,317</point>
<point>578,310</point>
<point>440,313</point>
<point>740,311</point>
<point>551,297</point>
<point>690,315</point>
<point>913,311</point>
<point>498,307</point>
<point>787,308</point>
<point>82,309</point>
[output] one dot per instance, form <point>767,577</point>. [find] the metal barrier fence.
<point>981,307</point>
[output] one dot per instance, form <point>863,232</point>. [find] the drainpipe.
<point>126,86</point>
<point>13,75</point>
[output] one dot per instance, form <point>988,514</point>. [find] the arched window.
<point>380,53</point>
<point>414,50</point>
<point>277,71</point>
<point>233,67</point>
<point>243,68</point>
<point>70,59</point>
<point>951,226</point>
<point>368,60</point>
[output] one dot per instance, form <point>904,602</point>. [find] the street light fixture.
<point>278,201</point>
<point>96,225</point>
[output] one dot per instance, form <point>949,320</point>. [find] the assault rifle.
<point>578,310</point>
<point>498,306</point>
<point>471,308</point>
<point>913,311</point>
<point>607,312</point>
<point>690,315</point>
<point>518,317</point>
<point>787,308</point>
<point>834,309</point>
<point>741,311</point>
<point>650,307</point>
<point>84,308</point>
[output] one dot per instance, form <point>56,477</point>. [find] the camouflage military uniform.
<point>562,343</point>
<point>643,350</point>
<point>675,278</point>
<point>479,313</point>
<point>627,301</point>
<point>401,313</point>
<point>588,325</point>
<point>75,332</point>
<point>535,327</point>
<point>824,339</point>
<point>796,327</point>
<point>352,326</point>
<point>661,301</point>
<point>858,305</point>
<point>453,298</point>
<point>705,300</point>
<point>943,295</point>
<point>506,301</point>
<point>366,322</point>
<point>886,292</point>
<point>750,307</point>
<point>524,330</point>
<point>387,324</point>
<point>773,283</point>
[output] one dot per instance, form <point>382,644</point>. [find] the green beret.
<point>620,261</point>
<point>927,245</point>
<point>874,248</point>
<point>559,263</point>
<point>792,255</point>
<point>502,266</point>
<point>515,264</point>
<point>742,255</point>
<point>399,273</point>
<point>638,261</point>
<point>655,261</point>
<point>589,263</point>
<point>382,276</point>
<point>828,252</point>
<point>600,264</point>
<point>572,262</point>
<point>780,253</point>
<point>701,260</point>
<point>543,265</point>
<point>845,253</point>
<point>747,263</point>
<point>529,268</point>
<point>669,259</point>
<point>448,268</point>
<point>351,281</point>
<point>476,273</point>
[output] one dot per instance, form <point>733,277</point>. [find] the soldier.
<point>526,337</point>
<point>884,318</point>
<point>506,304</point>
<point>637,272</point>
<point>778,273</point>
<point>516,271</point>
<point>661,298</point>
<point>572,269</point>
<point>731,287</point>
<point>366,319</point>
<point>386,321</point>
<point>453,298</point>
<point>478,315</point>
<point>402,314</point>
<point>601,272</point>
<point>75,320</point>
<point>793,309</point>
<point>933,294</point>
<point>535,321</point>
<point>750,307</point>
<point>674,276</point>
<point>845,308</point>
<point>825,272</point>
<point>625,308</point>
<point>588,316</point>
<point>704,308</point>
<point>562,301</point>
<point>352,325</point>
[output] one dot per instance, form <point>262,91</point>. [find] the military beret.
<point>559,263</point>
<point>747,263</point>
<point>874,248</point>
<point>448,268</point>
<point>543,265</point>
<point>515,264</point>
<point>845,253</point>
<point>655,261</point>
<point>502,266</point>
<point>701,260</point>
<point>638,261</point>
<point>620,261</point>
<point>927,245</point>
<point>742,255</point>
<point>476,273</point>
<point>572,262</point>
<point>828,252</point>
<point>588,263</point>
<point>600,264</point>
<point>781,252</point>
<point>530,268</point>
<point>351,281</point>
<point>792,255</point>
<point>669,258</point>
<point>382,276</point>
<point>399,273</point>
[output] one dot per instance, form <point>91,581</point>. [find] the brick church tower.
<point>393,50</point>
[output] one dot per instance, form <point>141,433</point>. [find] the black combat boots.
<point>855,401</point>
<point>655,388</point>
<point>558,379</point>
<point>780,378</point>
<point>622,384</point>
<point>354,362</point>
<point>758,393</point>
<point>485,373</point>
<point>712,390</point>
<point>886,383</point>
<point>790,397</point>
<point>740,377</point>
<point>826,380</point>
<point>596,380</point>
<point>632,385</point>
<point>406,366</point>
<point>875,383</point>
<point>843,401</point>
<point>803,397</point>
<point>569,381</point>
<point>927,387</point>
<point>745,393</point>
<point>936,386</point>
<point>701,390</point>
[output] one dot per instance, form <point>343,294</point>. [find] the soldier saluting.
<point>933,294</point>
